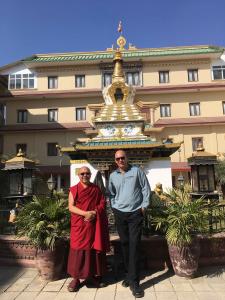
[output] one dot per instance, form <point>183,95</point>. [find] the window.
<point>22,116</point>
<point>21,81</point>
<point>196,142</point>
<point>52,82</point>
<point>163,76</point>
<point>192,75</point>
<point>53,115</point>
<point>2,114</point>
<point>22,147</point>
<point>133,78</point>
<point>52,149</point>
<point>79,81</point>
<point>218,72</point>
<point>194,109</point>
<point>80,114</point>
<point>107,79</point>
<point>223,104</point>
<point>165,110</point>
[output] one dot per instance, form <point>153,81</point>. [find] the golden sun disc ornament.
<point>121,42</point>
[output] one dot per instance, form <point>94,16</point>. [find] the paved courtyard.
<point>24,283</point>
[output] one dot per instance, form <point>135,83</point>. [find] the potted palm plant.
<point>181,218</point>
<point>45,222</point>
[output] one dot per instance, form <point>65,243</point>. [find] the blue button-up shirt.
<point>129,191</point>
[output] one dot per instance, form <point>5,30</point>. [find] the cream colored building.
<point>52,98</point>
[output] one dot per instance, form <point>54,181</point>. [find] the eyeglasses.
<point>85,173</point>
<point>120,158</point>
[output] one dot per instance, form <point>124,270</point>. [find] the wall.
<point>159,170</point>
<point>66,77</point>
<point>37,145</point>
<point>38,109</point>
<point>177,72</point>
<point>213,139</point>
<point>154,252</point>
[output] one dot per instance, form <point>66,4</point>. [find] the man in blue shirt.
<point>129,195</point>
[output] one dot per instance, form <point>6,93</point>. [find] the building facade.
<point>50,99</point>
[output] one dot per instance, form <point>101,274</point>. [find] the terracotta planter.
<point>50,263</point>
<point>185,259</point>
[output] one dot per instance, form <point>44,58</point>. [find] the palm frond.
<point>44,221</point>
<point>181,217</point>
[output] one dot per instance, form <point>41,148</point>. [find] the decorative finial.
<point>20,153</point>
<point>121,41</point>
<point>120,29</point>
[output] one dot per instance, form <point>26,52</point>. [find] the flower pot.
<point>50,263</point>
<point>185,259</point>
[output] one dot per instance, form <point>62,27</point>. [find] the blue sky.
<point>43,26</point>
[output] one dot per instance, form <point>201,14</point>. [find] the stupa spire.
<point>118,74</point>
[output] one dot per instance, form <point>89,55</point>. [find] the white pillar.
<point>152,115</point>
<point>159,171</point>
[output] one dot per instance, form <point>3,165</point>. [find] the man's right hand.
<point>90,215</point>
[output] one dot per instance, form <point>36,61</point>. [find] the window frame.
<point>76,113</point>
<point>194,104</point>
<point>55,119</point>
<point>103,79</point>
<point>192,72</point>
<point>3,114</point>
<point>132,73</point>
<point>223,107</point>
<point>164,109</point>
<point>83,81</point>
<point>22,78</point>
<point>49,149</point>
<point>55,82</point>
<point>23,112</point>
<point>218,68</point>
<point>165,77</point>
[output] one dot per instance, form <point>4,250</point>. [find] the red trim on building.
<point>97,92</point>
<point>54,170</point>
<point>53,94</point>
<point>76,126</point>
<point>188,87</point>
<point>189,121</point>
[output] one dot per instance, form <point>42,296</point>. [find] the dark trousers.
<point>129,227</point>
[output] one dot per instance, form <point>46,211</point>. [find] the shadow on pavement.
<point>211,271</point>
<point>8,275</point>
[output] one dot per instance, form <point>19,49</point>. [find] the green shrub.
<point>44,221</point>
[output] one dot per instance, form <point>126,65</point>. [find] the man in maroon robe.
<point>89,236</point>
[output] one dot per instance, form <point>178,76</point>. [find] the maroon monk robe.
<point>89,240</point>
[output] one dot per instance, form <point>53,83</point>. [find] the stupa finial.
<point>121,41</point>
<point>20,153</point>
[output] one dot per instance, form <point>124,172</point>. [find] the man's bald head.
<point>121,160</point>
<point>84,174</point>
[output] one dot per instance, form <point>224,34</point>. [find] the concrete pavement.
<point>24,283</point>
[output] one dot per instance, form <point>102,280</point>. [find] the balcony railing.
<point>216,223</point>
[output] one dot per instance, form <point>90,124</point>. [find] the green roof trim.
<point>92,56</point>
<point>118,143</point>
